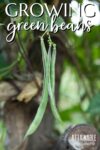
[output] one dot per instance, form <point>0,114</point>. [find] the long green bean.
<point>41,110</point>
<point>51,85</point>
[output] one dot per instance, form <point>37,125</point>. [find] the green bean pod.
<point>41,110</point>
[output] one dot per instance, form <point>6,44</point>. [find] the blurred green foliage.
<point>94,107</point>
<point>80,86</point>
<point>2,135</point>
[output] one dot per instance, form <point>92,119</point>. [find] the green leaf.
<point>5,68</point>
<point>3,62</point>
<point>66,114</point>
<point>94,107</point>
<point>45,19</point>
<point>12,8</point>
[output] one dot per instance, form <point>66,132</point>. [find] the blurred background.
<point>79,91</point>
